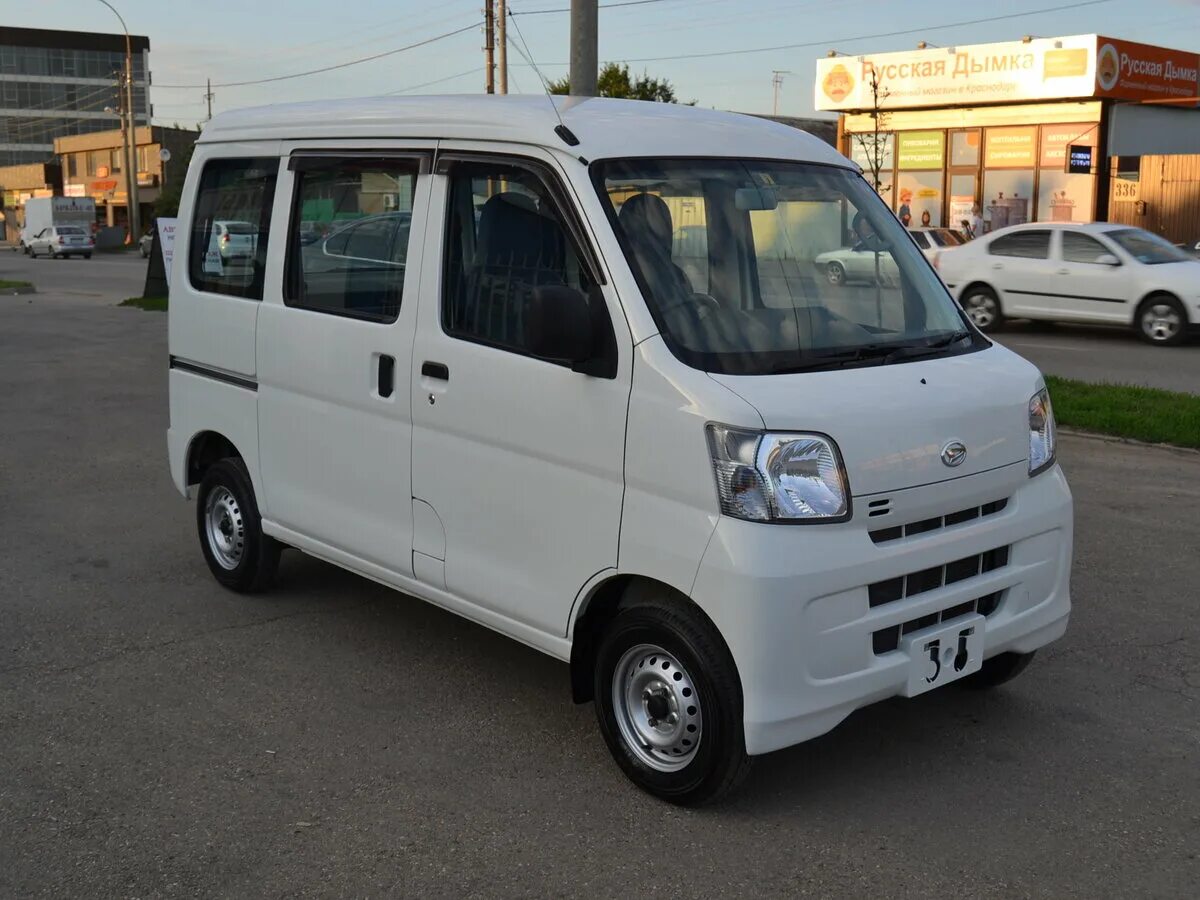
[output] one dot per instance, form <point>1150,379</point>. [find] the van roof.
<point>605,127</point>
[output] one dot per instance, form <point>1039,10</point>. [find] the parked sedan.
<point>61,241</point>
<point>857,263</point>
<point>932,241</point>
<point>1100,272</point>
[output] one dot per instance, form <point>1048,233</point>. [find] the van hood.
<point>892,421</point>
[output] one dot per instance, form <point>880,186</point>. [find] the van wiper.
<point>880,354</point>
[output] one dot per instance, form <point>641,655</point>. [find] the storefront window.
<point>1006,198</point>
<point>962,200</point>
<point>919,193</point>
<point>1064,197</point>
<point>964,148</point>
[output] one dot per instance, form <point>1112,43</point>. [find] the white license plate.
<point>943,653</point>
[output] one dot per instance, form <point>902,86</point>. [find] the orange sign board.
<point>1012,148</point>
<point>1141,72</point>
<point>1057,138</point>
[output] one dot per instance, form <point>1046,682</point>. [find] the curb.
<point>1133,442</point>
<point>13,291</point>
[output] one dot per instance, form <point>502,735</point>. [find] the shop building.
<point>92,166</point>
<point>1076,128</point>
<point>20,183</point>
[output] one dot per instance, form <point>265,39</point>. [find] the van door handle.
<point>997,266</point>
<point>1064,271</point>
<point>437,370</point>
<point>387,375</point>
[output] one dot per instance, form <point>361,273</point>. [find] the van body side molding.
<point>241,381</point>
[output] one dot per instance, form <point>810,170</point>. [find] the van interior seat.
<point>518,249</point>
<point>646,220</point>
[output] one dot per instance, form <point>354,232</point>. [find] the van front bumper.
<point>812,614</point>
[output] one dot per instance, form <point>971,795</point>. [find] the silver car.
<point>61,241</point>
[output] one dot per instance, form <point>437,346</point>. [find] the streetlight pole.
<point>131,191</point>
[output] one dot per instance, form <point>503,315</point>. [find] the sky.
<point>246,40</point>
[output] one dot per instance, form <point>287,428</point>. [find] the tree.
<point>167,204</point>
<point>615,81</point>
<point>875,143</point>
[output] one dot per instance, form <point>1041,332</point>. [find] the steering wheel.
<point>867,235</point>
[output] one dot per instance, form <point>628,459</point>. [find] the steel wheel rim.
<point>657,708</point>
<point>982,310</point>
<point>835,274</point>
<point>224,528</point>
<point>1161,322</point>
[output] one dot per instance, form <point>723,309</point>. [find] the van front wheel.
<point>238,554</point>
<point>669,703</point>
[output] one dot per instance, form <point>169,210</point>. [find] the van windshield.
<point>759,267</point>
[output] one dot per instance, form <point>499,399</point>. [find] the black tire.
<point>983,308</point>
<point>252,567</point>
<point>87,256</point>
<point>835,273</point>
<point>718,762</point>
<point>1161,320</point>
<point>30,252</point>
<point>997,670</point>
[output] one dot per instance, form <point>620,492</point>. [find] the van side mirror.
<point>559,324</point>
<point>1107,259</point>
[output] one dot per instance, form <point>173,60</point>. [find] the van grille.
<point>885,640</point>
<point>896,532</point>
<point>914,583</point>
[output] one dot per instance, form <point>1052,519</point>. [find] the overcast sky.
<point>243,40</point>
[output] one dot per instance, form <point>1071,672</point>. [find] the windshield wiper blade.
<point>881,353</point>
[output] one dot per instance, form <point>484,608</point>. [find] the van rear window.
<point>234,198</point>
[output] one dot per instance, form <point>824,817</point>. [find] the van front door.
<point>333,344</point>
<point>517,461</point>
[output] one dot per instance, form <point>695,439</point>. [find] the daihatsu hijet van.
<point>570,369</point>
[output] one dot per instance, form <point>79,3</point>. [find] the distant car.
<point>932,241</point>
<point>145,244</point>
<point>1099,272</point>
<point>234,241</point>
<point>61,241</point>
<point>373,239</point>
<point>856,263</point>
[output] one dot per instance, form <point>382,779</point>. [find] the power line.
<point>563,9</point>
<point>353,62</point>
<point>863,37</point>
<point>471,71</point>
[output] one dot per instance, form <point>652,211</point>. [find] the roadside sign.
<point>166,239</point>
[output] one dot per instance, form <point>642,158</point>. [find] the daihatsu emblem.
<point>954,453</point>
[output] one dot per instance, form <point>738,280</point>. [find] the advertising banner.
<point>920,149</point>
<point>1085,65</point>
<point>1141,72</point>
<point>166,240</point>
<point>1056,139</point>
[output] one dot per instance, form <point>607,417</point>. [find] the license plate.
<point>943,653</point>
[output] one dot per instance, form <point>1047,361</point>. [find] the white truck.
<point>44,212</point>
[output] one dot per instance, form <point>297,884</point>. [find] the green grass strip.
<point>1127,411</point>
<point>150,304</point>
<point>5,285</point>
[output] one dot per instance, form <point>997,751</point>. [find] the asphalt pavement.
<point>163,737</point>
<point>103,277</point>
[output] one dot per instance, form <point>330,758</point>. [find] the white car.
<point>61,241</point>
<point>857,263</point>
<point>234,240</point>
<point>737,501</point>
<point>932,241</point>
<point>1098,273</point>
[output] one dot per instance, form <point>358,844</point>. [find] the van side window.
<point>1027,244</point>
<point>504,239</point>
<point>227,251</point>
<point>348,247</point>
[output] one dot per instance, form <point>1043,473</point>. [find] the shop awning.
<point>1144,130</point>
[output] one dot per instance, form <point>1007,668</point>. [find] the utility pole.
<point>489,46</point>
<point>777,83</point>
<point>208,95</point>
<point>584,47</point>
<point>502,42</point>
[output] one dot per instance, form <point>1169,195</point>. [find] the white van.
<point>582,381</point>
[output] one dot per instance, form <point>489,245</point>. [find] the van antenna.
<point>561,130</point>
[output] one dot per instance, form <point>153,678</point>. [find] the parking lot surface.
<point>163,737</point>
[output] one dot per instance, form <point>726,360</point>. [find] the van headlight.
<point>1041,432</point>
<point>778,477</point>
